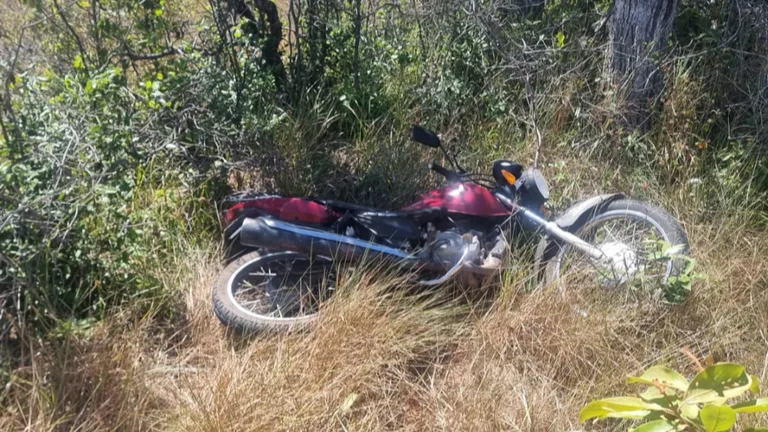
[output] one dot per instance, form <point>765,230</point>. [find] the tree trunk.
<point>271,46</point>
<point>639,33</point>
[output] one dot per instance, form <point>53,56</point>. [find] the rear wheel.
<point>642,244</point>
<point>279,291</point>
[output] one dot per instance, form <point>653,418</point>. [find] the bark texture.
<point>639,33</point>
<point>271,46</point>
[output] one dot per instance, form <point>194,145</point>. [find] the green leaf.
<point>755,405</point>
<point>717,383</point>
<point>690,412</point>
<point>654,395</point>
<point>621,407</point>
<point>78,62</point>
<point>755,387</point>
<point>560,39</point>
<point>661,375</point>
<point>717,418</point>
<point>655,426</point>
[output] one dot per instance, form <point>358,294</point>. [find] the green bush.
<point>130,112</point>
<point>92,201</point>
<point>672,403</point>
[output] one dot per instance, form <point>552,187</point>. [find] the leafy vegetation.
<point>125,122</point>
<point>671,403</point>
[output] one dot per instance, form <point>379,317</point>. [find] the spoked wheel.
<point>280,290</point>
<point>641,244</point>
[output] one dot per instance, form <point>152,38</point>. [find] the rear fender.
<point>292,209</point>
<point>243,204</point>
<point>571,221</point>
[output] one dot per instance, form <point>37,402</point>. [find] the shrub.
<point>672,403</point>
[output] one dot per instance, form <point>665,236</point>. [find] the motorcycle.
<point>289,251</point>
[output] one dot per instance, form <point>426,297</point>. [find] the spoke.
<point>251,287</point>
<point>285,286</point>
<point>249,303</point>
<point>635,234</point>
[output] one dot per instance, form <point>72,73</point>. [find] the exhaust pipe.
<point>269,233</point>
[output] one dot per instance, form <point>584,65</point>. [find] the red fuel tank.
<point>463,198</point>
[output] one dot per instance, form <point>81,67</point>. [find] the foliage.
<point>672,403</point>
<point>89,201</point>
<point>123,122</point>
<point>676,289</point>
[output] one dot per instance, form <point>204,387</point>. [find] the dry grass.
<point>383,359</point>
<point>380,358</point>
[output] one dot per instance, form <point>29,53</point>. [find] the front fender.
<point>578,213</point>
<point>571,220</point>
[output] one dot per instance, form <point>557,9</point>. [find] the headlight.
<point>533,188</point>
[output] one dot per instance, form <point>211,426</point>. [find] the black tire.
<point>234,315</point>
<point>663,222</point>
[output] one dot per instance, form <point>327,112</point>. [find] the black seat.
<point>418,216</point>
<point>341,205</point>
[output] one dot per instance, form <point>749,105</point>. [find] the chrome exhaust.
<point>269,233</point>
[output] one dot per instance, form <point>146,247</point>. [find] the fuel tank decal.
<point>462,198</point>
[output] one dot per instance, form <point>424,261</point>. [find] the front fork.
<point>553,230</point>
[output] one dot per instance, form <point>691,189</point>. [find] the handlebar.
<point>457,176</point>
<point>448,174</point>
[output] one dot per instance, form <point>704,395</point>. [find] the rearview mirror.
<point>425,136</point>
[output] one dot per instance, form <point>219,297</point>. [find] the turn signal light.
<point>509,176</point>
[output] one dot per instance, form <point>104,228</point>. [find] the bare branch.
<point>154,56</point>
<point>75,36</point>
<point>531,96</point>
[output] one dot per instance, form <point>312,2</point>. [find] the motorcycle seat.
<point>341,205</point>
<point>419,216</point>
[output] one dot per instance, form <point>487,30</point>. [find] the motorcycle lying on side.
<point>291,249</point>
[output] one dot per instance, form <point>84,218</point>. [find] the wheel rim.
<point>282,286</point>
<point>633,240</point>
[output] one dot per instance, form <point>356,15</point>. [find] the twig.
<point>693,358</point>
<point>155,56</point>
<point>6,86</point>
<point>74,35</point>
<point>531,96</point>
<point>358,27</point>
<point>420,32</point>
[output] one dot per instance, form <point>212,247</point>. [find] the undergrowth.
<point>124,123</point>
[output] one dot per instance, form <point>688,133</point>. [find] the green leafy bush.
<point>91,199</point>
<point>671,403</point>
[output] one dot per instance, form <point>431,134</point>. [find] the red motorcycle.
<point>289,250</point>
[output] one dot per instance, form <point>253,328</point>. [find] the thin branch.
<point>74,35</point>
<point>6,85</point>
<point>358,27</point>
<point>6,136</point>
<point>531,96</point>
<point>156,56</point>
<point>420,32</point>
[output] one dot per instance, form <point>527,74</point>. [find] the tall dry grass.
<point>384,358</point>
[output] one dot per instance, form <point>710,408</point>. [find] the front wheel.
<point>643,247</point>
<point>272,291</point>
